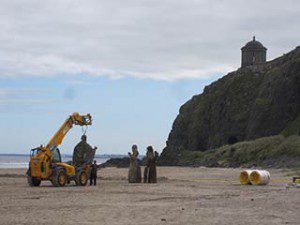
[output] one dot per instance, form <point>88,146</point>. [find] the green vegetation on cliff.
<point>274,151</point>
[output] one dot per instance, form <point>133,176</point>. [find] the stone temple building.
<point>253,53</point>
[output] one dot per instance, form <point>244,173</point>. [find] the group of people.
<point>134,174</point>
<point>84,154</point>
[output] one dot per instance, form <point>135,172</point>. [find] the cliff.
<point>250,103</point>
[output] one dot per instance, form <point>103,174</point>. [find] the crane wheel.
<point>33,182</point>
<point>81,178</point>
<point>59,178</point>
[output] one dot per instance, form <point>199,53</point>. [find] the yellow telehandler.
<point>45,161</point>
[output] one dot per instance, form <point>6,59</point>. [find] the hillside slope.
<point>252,102</point>
<point>274,151</point>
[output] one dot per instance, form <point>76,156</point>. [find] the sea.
<point>21,161</point>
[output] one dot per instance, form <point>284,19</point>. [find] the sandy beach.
<point>181,196</point>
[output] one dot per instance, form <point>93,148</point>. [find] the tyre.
<point>59,178</point>
<point>81,178</point>
<point>33,182</point>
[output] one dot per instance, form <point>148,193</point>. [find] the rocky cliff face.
<point>252,102</point>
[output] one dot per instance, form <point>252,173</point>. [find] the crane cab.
<point>41,167</point>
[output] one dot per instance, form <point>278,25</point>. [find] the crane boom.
<point>75,118</point>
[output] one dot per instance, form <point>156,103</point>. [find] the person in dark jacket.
<point>93,176</point>
<point>150,175</point>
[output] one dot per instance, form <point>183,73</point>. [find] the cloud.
<point>77,82</point>
<point>167,40</point>
<point>22,96</point>
<point>7,92</point>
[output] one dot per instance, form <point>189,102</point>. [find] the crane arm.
<point>74,119</point>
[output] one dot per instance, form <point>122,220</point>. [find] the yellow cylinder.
<point>260,177</point>
<point>245,177</point>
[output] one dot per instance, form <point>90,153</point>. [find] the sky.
<point>131,64</point>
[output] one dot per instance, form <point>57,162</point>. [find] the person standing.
<point>134,173</point>
<point>150,175</point>
<point>93,176</point>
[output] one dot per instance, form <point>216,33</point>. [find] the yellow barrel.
<point>245,177</point>
<point>260,177</point>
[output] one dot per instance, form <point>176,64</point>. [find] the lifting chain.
<point>84,129</point>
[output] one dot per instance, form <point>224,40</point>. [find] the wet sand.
<point>181,196</point>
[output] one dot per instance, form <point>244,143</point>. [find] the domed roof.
<point>254,45</point>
